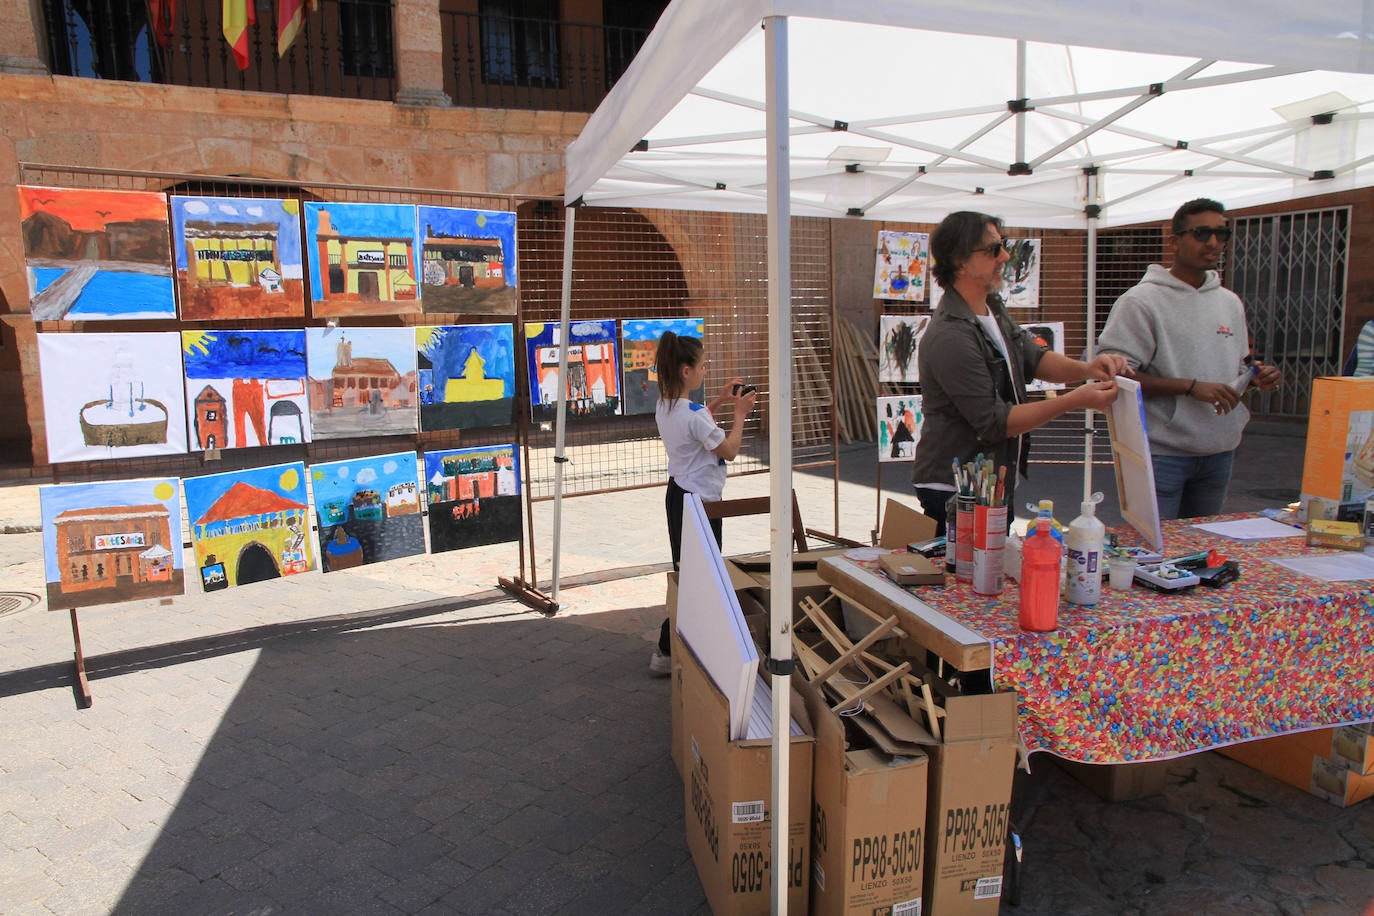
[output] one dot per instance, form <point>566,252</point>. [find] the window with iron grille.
<point>365,33</point>
<point>520,42</point>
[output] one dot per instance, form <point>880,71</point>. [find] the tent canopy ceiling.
<point>915,117</point>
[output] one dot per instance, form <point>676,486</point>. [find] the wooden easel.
<point>83,684</point>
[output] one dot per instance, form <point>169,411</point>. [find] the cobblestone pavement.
<point>405,738</point>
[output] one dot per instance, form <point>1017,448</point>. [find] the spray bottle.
<point>1040,562</point>
<point>1085,540</point>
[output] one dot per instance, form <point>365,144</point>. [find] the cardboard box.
<point>1338,535</point>
<point>1308,761</point>
<point>1339,463</point>
<point>1353,745</point>
<point>968,808</point>
<point>868,823</point>
<point>911,569</point>
<point>1115,782</point>
<point>728,793</point>
<point>902,524</point>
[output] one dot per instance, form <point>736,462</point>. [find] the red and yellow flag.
<point>290,17</point>
<point>237,17</point>
<point>162,14</point>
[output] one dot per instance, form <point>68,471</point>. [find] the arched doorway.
<point>256,564</point>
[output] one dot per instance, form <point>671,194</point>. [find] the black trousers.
<point>672,504</point>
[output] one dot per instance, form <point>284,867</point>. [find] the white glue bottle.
<point>1084,540</point>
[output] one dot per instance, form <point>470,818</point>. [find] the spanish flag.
<point>237,17</point>
<point>162,14</point>
<point>290,17</point>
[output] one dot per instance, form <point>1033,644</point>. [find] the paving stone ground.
<point>405,738</point>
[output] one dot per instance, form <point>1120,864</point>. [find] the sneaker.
<point>660,664</point>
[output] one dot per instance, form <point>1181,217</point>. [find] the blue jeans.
<point>1188,486</point>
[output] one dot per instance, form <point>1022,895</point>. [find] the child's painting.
<point>249,526</point>
<point>899,336</point>
<point>1048,334</point>
<point>364,259</point>
<point>1021,274</point>
<point>362,382</point>
<point>899,427</point>
<point>468,261</point>
<point>93,255</point>
<point>114,541</point>
<point>369,510</point>
<point>473,496</point>
<point>593,385</point>
<point>109,396</point>
<point>639,351</point>
<point>899,270</point>
<point>238,257</point>
<point>245,388</point>
<point>466,375</point>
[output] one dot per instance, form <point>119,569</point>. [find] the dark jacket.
<point>966,391</point>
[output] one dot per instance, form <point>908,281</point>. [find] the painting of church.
<point>237,257</point>
<point>111,541</point>
<point>466,375</point>
<point>592,388</point>
<point>639,351</point>
<point>473,496</point>
<point>362,382</point>
<point>245,388</point>
<point>363,259</point>
<point>93,255</point>
<point>250,525</point>
<point>468,261</point>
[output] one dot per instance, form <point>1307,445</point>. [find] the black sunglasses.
<point>992,250</point>
<point>1205,233</point>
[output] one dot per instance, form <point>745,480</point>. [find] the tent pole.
<point>780,440</point>
<point>1091,212</point>
<point>569,218</point>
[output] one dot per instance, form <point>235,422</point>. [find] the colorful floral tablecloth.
<point>1146,676</point>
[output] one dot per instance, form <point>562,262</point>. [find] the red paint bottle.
<point>1040,574</point>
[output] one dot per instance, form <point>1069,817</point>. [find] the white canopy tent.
<point>1057,114</point>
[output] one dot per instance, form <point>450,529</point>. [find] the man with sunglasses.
<point>974,361</point>
<point>1185,335</point>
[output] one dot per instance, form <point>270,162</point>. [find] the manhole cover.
<point>14,602</point>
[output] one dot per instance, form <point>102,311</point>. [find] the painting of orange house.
<point>250,526</point>
<point>592,388</point>
<point>363,259</point>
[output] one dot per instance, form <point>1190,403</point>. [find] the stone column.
<point>21,24</point>
<point>419,54</point>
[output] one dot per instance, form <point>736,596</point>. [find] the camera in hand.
<point>741,390</point>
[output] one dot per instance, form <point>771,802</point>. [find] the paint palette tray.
<point>1142,555</point>
<point>1165,577</point>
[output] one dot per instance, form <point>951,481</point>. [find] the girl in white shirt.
<point>697,447</point>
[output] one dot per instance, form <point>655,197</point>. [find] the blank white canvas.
<point>1135,474</point>
<point>709,619</point>
<point>97,387</point>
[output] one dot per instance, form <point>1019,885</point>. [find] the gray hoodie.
<point>1165,327</point>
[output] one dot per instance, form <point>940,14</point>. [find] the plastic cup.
<point>1120,572</point>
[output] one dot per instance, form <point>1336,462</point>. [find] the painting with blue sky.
<point>249,525</point>
<point>473,496</point>
<point>245,388</point>
<point>369,509</point>
<point>592,388</point>
<point>238,257</point>
<point>639,351</point>
<point>362,382</point>
<point>467,375</point>
<point>363,259</point>
<point>93,255</point>
<point>112,541</point>
<point>469,261</point>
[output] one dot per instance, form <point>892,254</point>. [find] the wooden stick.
<point>877,685</point>
<point>83,685</point>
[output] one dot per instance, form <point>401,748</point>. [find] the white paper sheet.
<point>1251,529</point>
<point>1343,567</point>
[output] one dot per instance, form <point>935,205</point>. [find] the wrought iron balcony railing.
<point>495,58</point>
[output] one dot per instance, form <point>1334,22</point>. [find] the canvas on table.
<point>639,339</point>
<point>363,382</point>
<point>466,375</point>
<point>238,257</point>
<point>111,396</point>
<point>250,525</point>
<point>245,388</point>
<point>473,496</point>
<point>370,509</point>
<point>468,261</point>
<point>93,255</point>
<point>363,258</point>
<point>592,388</point>
<point>111,541</point>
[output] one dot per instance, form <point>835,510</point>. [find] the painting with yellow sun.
<point>113,541</point>
<point>249,525</point>
<point>237,257</point>
<point>468,261</point>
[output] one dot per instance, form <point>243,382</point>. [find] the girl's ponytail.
<point>673,354</point>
